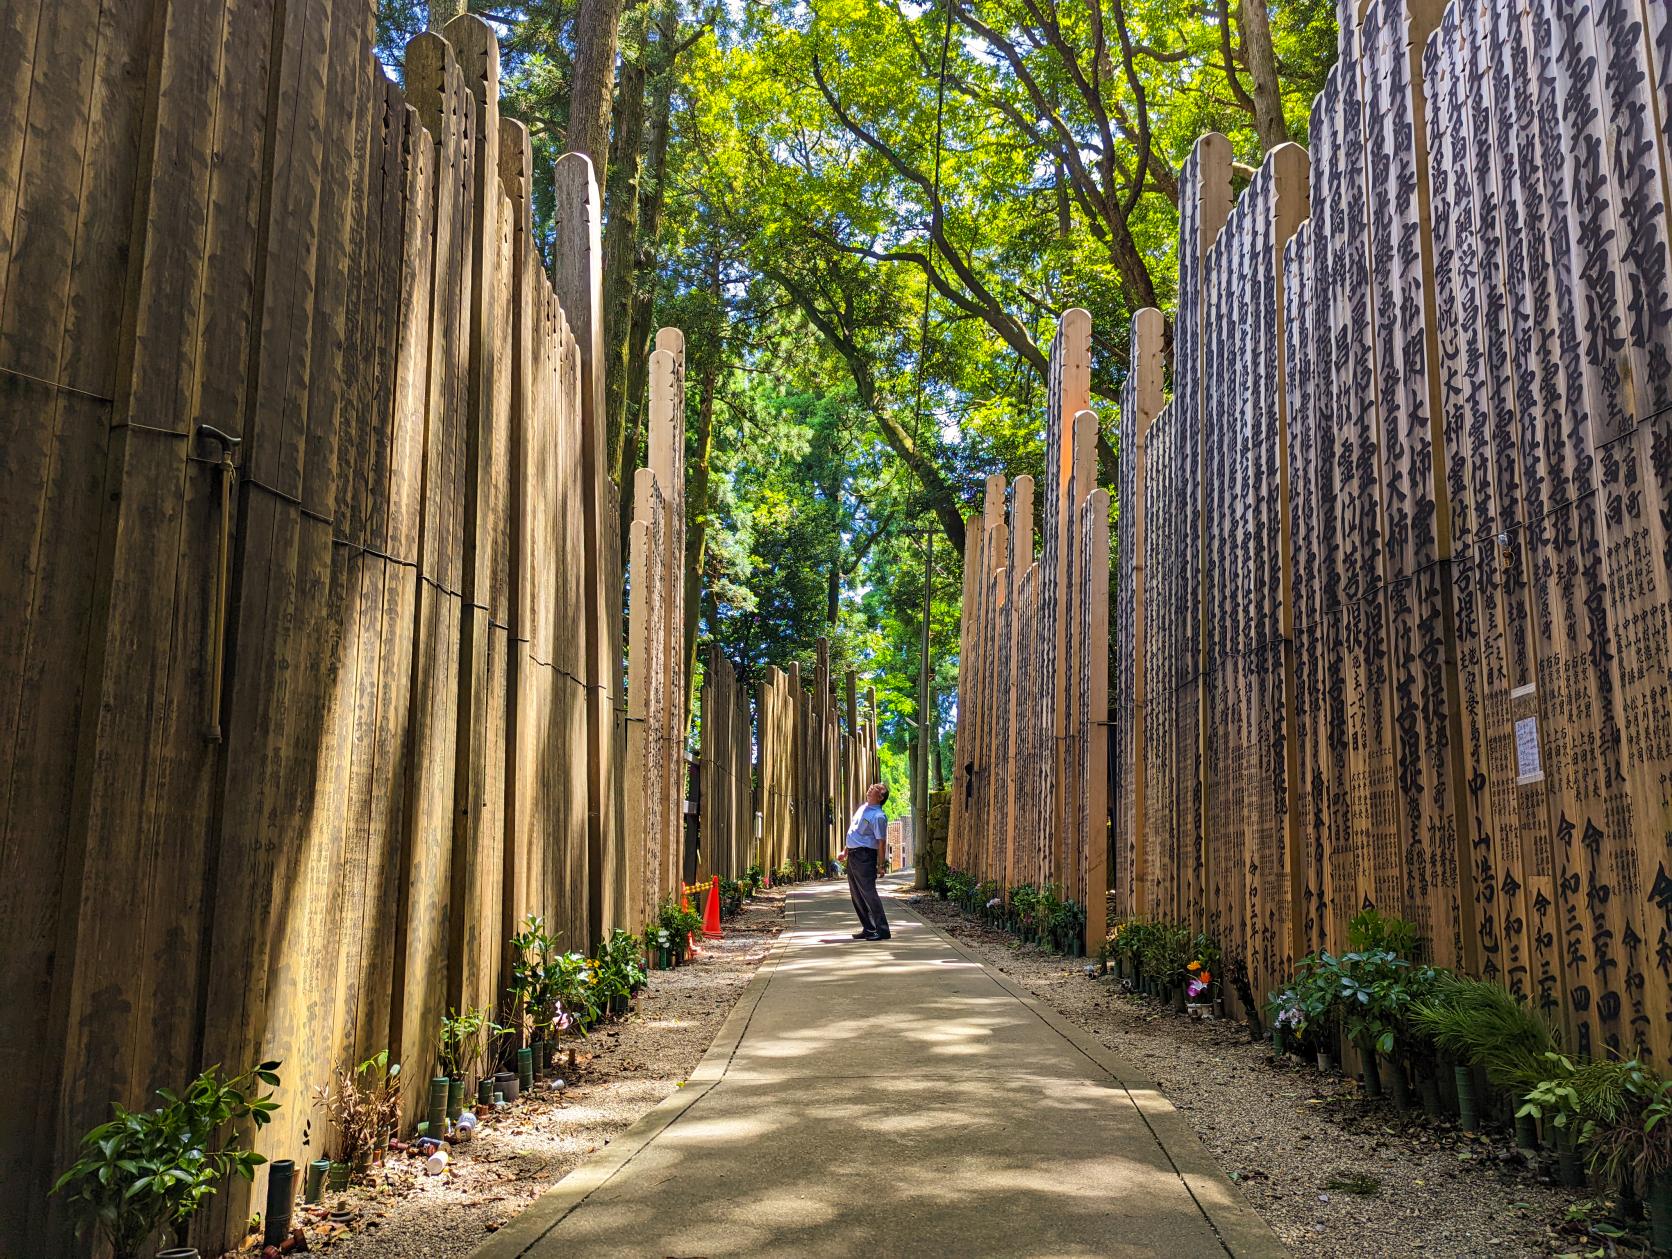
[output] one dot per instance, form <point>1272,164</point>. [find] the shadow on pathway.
<point>894,1098</point>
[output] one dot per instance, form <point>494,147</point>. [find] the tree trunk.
<point>641,331</point>
<point>833,586</point>
<point>939,774</point>
<point>696,536</point>
<point>444,11</point>
<point>1255,26</point>
<point>621,213</point>
<point>638,377</point>
<point>597,24</point>
<point>923,466</point>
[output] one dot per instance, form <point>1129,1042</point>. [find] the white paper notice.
<point>1527,765</point>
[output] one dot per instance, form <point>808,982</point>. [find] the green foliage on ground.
<point>145,1171</point>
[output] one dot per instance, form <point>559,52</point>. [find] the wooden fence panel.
<point>475,946</point>
<point>656,694</point>
<point>1141,401</point>
<point>246,714</point>
<point>1450,690</point>
<point>71,156</point>
<point>1030,791</point>
<point>646,799</point>
<point>804,803</point>
<point>727,816</point>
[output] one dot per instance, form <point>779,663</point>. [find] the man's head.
<point>878,794</point>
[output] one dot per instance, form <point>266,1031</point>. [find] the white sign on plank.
<point>1528,767</point>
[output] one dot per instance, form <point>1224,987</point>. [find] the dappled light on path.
<point>897,1097</point>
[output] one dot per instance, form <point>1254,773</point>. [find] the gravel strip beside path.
<point>1284,1131</point>
<point>625,1070</point>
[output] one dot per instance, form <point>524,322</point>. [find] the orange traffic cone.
<point>711,911</point>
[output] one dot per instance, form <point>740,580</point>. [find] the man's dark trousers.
<point>862,886</point>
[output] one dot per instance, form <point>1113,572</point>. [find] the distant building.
<point>900,848</point>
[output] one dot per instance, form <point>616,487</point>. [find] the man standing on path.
<point>867,835</point>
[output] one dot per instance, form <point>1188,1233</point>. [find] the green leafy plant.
<point>1617,1108</point>
<point>1131,941</point>
<point>1370,930</point>
<point>960,888</point>
<point>680,924</point>
<point>1067,926</point>
<point>1312,999</point>
<point>1166,951</point>
<point>1046,905</point>
<point>1371,995</point>
<point>1285,1010</point>
<point>1479,1022</point>
<point>575,1001</point>
<point>620,971</point>
<point>531,996</point>
<point>1205,949</point>
<point>462,1043</point>
<point>144,1171</point>
<point>731,898</point>
<point>1024,899</point>
<point>1374,994</point>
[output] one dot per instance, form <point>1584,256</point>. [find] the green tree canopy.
<point>868,216</point>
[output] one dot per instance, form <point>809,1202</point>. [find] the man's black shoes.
<point>861,935</point>
<point>872,935</point>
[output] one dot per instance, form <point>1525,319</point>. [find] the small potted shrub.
<point>679,924</point>
<point>731,898</point>
<point>1129,946</point>
<point>1198,986</point>
<point>363,1107</point>
<point>1068,929</point>
<point>1480,1025</point>
<point>632,959</point>
<point>1314,996</point>
<point>1620,1108</point>
<point>619,972</point>
<point>1284,1013</point>
<point>532,995</point>
<point>579,1003</point>
<point>1045,909</point>
<point>1166,954</point>
<point>1371,993</point>
<point>462,1046</point>
<point>690,922</point>
<point>148,1171</point>
<point>1024,898</point>
<point>623,959</point>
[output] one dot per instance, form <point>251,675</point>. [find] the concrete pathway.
<point>894,1099</point>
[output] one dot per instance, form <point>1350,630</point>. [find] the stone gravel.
<point>625,1070</point>
<point>1284,1131</point>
